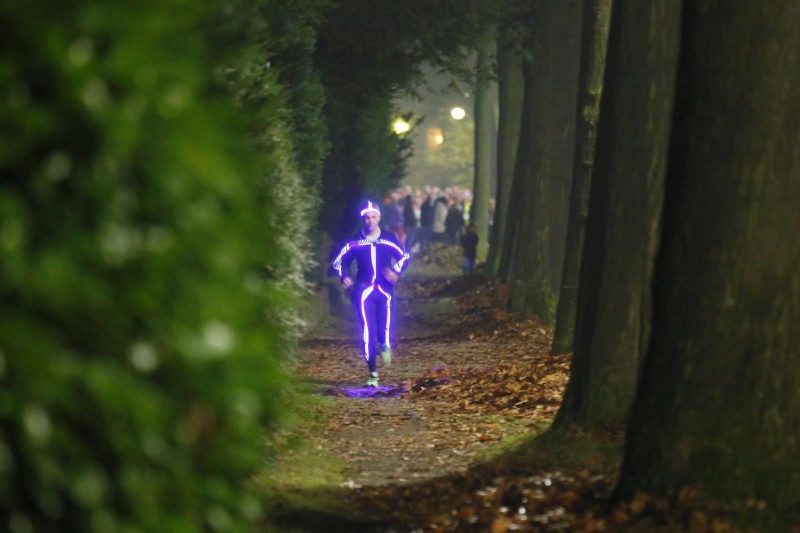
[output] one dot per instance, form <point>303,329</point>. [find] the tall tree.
<point>718,405</point>
<point>536,237</point>
<point>624,209</point>
<point>512,242</point>
<point>510,87</point>
<point>594,43</point>
<point>484,144</point>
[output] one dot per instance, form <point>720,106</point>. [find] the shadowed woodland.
<point>175,357</point>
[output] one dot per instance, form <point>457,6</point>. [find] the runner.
<point>380,260</point>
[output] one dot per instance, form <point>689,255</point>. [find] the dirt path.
<point>453,393</point>
<point>454,438</point>
<point>390,436</point>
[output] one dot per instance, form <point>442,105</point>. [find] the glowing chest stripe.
<point>405,256</point>
<point>373,256</point>
<point>337,263</point>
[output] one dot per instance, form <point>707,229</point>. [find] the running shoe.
<point>386,355</point>
<point>372,381</point>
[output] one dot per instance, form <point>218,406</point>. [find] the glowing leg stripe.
<point>364,296</point>
<point>388,314</point>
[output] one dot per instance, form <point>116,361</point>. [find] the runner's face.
<point>371,220</point>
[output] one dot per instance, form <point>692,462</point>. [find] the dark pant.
<point>469,265</point>
<point>411,238</point>
<point>425,237</point>
<point>374,309</point>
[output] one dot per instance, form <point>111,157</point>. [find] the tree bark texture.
<point>484,147</point>
<point>510,87</point>
<point>523,167</point>
<point>543,176</point>
<point>626,197</point>
<point>718,405</point>
<point>594,43</point>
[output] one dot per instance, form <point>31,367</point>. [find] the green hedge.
<point>146,258</point>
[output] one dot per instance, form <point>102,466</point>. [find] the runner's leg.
<point>383,315</point>
<point>365,309</point>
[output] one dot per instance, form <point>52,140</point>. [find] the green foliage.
<point>381,153</point>
<point>293,197</point>
<point>368,52</point>
<point>291,26</point>
<point>376,47</point>
<point>366,160</point>
<point>140,251</point>
<point>515,23</point>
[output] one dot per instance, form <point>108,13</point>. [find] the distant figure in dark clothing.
<point>426,214</point>
<point>410,223</point>
<point>393,219</point>
<point>469,242</point>
<point>454,224</point>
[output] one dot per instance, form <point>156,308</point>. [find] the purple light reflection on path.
<point>385,391</point>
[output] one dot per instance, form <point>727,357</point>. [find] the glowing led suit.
<point>372,292</point>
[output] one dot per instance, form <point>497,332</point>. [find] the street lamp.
<point>435,137</point>
<point>400,126</point>
<point>458,113</point>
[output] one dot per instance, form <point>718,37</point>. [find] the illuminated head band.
<point>370,206</point>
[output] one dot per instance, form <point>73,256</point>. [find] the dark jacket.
<point>392,216</point>
<point>369,264</point>
<point>469,241</point>
<point>454,221</point>
<point>409,218</point>
<point>426,212</point>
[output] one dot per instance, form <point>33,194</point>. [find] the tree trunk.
<point>484,144</point>
<point>596,20</point>
<point>551,81</point>
<point>521,182</point>
<point>718,406</point>
<point>626,196</point>
<point>510,87</point>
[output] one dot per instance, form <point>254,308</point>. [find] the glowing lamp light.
<point>435,137</point>
<point>458,113</point>
<point>400,126</point>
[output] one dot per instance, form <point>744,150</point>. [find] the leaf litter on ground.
<point>422,452</point>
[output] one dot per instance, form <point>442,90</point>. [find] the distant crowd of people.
<point>419,217</point>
